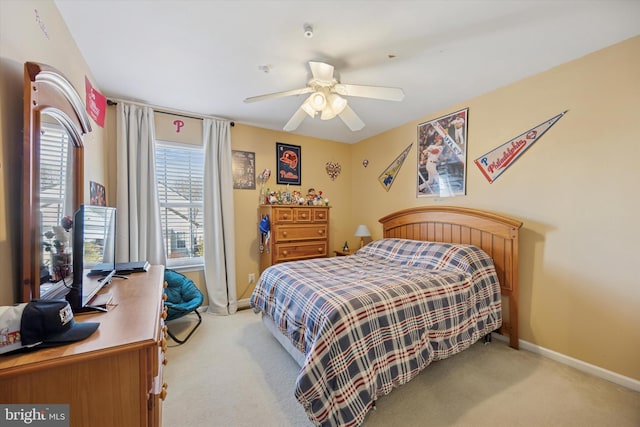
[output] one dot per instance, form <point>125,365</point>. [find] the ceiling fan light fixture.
<point>327,113</point>
<point>308,108</point>
<point>318,101</point>
<point>337,103</point>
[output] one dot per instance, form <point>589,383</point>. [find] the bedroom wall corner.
<point>575,189</point>
<point>315,153</point>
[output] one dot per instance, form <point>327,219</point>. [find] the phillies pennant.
<point>498,160</point>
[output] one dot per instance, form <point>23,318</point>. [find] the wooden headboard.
<point>495,234</point>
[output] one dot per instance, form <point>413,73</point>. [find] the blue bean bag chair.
<point>183,297</point>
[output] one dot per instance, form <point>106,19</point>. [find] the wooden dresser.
<point>297,232</point>
<point>112,378</point>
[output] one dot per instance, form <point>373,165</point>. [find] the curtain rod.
<point>167,111</point>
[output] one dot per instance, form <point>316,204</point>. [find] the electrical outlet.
<point>252,278</point>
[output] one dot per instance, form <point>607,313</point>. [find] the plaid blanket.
<point>372,321</point>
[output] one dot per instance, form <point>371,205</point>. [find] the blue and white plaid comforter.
<point>372,321</point>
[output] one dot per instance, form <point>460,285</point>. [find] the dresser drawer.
<point>287,233</point>
<point>294,251</point>
<point>302,215</point>
<point>282,215</point>
<point>321,215</point>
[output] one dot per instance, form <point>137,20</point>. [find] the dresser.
<point>297,232</point>
<point>112,378</point>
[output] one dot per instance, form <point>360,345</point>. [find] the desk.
<point>112,378</point>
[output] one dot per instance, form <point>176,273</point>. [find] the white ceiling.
<point>205,56</point>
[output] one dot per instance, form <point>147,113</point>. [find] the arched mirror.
<point>53,177</point>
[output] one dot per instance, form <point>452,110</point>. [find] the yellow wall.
<point>575,189</point>
<point>315,153</point>
<point>32,31</point>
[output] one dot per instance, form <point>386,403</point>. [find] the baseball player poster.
<point>442,156</point>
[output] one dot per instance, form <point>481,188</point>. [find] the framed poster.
<point>288,170</point>
<point>243,167</point>
<point>97,194</point>
<point>442,156</point>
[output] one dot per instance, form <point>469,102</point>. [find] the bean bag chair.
<point>183,297</point>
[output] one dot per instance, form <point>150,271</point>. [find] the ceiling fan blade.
<point>278,94</point>
<point>295,120</point>
<point>376,92</point>
<point>351,119</point>
<point>321,72</point>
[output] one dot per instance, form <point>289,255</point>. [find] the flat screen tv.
<point>94,253</point>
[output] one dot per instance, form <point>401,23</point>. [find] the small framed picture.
<point>288,170</point>
<point>97,194</point>
<point>243,166</point>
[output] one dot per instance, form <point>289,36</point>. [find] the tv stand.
<point>112,378</point>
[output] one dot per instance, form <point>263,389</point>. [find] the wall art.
<point>243,167</point>
<point>289,160</point>
<point>498,160</point>
<point>333,170</point>
<point>387,177</point>
<point>442,156</point>
<point>97,194</point>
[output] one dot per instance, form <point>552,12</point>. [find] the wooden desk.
<point>112,378</point>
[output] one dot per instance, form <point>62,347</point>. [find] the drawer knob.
<point>163,393</point>
<point>285,253</point>
<point>164,361</point>
<point>321,216</point>
<point>285,216</point>
<point>320,231</point>
<point>304,216</point>
<point>284,233</point>
<point>319,250</point>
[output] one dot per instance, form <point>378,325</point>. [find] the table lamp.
<point>362,231</point>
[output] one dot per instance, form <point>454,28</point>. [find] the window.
<point>54,157</point>
<point>180,175</point>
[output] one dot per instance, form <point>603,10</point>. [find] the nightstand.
<point>342,253</point>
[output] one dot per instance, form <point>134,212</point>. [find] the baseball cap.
<point>48,323</point>
<point>264,225</point>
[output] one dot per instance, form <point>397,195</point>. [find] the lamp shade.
<point>362,231</point>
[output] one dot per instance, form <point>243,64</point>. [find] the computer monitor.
<point>94,253</point>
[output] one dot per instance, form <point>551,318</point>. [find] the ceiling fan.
<point>326,99</point>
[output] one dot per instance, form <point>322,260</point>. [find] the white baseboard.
<point>588,368</point>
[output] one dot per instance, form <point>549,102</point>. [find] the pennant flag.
<point>498,160</point>
<point>389,175</point>
<point>96,103</point>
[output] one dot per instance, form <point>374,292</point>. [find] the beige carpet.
<point>232,372</point>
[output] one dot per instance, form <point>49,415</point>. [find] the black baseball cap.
<point>48,323</point>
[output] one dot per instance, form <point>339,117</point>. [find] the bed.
<point>363,324</point>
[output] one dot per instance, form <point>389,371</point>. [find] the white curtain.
<point>219,229</point>
<point>139,230</point>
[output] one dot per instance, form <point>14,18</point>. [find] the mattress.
<point>369,322</point>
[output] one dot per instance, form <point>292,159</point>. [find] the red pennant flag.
<point>96,103</point>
